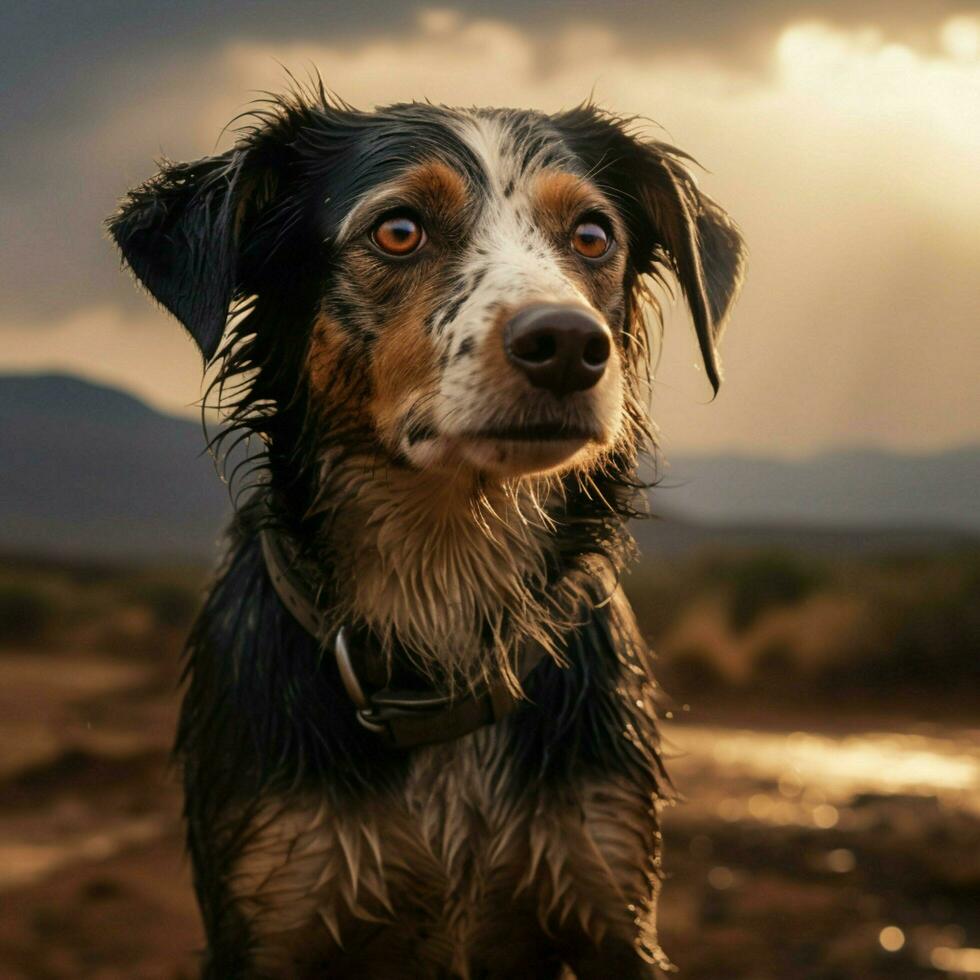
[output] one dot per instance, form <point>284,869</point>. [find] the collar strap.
<point>403,718</point>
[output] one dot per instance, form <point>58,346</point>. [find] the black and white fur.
<point>445,504</point>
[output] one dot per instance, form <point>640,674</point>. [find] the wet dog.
<point>418,736</point>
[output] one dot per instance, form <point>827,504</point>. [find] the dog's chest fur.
<point>453,872</point>
<point>436,564</point>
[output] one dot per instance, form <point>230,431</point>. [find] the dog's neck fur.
<point>450,568</point>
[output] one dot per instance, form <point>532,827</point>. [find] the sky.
<point>844,137</point>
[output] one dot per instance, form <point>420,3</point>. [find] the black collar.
<point>405,717</point>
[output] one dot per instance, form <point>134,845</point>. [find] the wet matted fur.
<point>442,502</point>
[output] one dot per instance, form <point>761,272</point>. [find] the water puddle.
<point>805,777</point>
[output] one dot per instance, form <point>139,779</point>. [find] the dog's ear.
<point>681,225</point>
<point>671,222</point>
<point>179,232</point>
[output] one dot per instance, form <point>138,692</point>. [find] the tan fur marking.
<point>326,353</point>
<point>335,391</point>
<point>437,185</point>
<point>559,197</point>
<point>431,187</point>
<point>404,363</point>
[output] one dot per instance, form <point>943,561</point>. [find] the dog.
<point>418,735</point>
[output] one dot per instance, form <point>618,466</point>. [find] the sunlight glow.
<point>831,769</point>
<point>962,961</point>
<point>887,84</point>
<point>960,38</point>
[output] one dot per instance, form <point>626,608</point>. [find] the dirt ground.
<point>796,855</point>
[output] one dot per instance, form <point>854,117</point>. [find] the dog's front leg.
<point>594,869</point>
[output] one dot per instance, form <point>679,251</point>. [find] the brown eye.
<point>398,235</point>
<point>590,239</point>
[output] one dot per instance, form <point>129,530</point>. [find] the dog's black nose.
<point>561,348</point>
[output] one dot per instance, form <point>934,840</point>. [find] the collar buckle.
<point>348,676</point>
<point>365,712</point>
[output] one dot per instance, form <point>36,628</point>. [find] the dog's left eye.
<point>398,234</point>
<point>590,239</point>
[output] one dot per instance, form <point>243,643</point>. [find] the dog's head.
<point>457,287</point>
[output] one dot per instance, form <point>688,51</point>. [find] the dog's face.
<point>479,284</point>
<point>462,285</point>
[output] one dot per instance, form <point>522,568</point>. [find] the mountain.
<point>854,487</point>
<point>89,471</point>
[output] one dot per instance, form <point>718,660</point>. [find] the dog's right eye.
<point>398,234</point>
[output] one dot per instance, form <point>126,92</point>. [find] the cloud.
<point>147,355</point>
<point>848,158</point>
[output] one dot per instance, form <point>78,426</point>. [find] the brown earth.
<point>94,882</point>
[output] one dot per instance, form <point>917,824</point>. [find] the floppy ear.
<point>178,233</point>
<point>701,244</point>
<point>671,222</point>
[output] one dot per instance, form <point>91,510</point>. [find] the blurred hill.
<point>849,488</point>
<point>90,471</point>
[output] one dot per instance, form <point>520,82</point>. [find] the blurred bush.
<point>692,669</point>
<point>172,604</point>
<point>757,583</point>
<point>793,627</point>
<point>925,632</point>
<point>27,612</point>
<point>774,624</point>
<point>118,610</point>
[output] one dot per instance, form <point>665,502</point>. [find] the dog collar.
<point>404,717</point>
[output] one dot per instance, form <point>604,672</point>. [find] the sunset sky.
<point>844,138</point>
